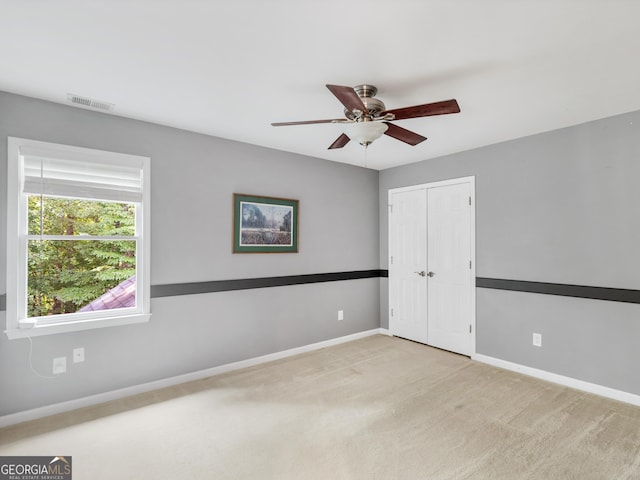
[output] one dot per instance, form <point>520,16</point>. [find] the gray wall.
<point>193,178</point>
<point>559,207</point>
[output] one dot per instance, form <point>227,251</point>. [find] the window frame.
<point>17,323</point>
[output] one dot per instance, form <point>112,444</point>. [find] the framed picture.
<point>264,224</point>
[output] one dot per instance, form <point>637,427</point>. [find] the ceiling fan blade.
<point>340,142</point>
<point>349,98</point>
<point>426,110</point>
<point>309,122</point>
<point>403,134</point>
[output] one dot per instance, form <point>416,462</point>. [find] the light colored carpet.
<point>376,408</point>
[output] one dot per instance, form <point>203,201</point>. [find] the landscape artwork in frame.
<point>264,224</point>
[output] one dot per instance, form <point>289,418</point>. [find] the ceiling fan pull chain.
<point>366,155</point>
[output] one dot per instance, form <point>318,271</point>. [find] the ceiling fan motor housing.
<point>374,105</point>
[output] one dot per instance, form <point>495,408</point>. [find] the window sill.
<point>66,327</point>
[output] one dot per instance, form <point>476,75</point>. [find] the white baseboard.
<point>70,405</point>
<point>561,380</point>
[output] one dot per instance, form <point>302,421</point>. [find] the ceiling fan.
<point>368,118</point>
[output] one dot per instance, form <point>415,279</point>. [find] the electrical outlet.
<point>340,314</point>
<point>78,355</point>
<point>537,339</point>
<point>59,365</point>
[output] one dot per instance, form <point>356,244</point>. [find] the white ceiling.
<point>229,68</point>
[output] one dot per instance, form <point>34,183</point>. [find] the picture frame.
<point>264,224</point>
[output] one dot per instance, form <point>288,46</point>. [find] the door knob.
<point>430,274</point>
<point>422,273</point>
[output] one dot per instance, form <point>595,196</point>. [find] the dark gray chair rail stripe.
<point>579,291</point>
<point>250,283</point>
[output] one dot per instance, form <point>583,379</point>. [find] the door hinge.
<point>391,259</point>
<point>392,312</point>
<point>469,200</point>
<point>469,264</point>
<point>391,208</point>
<point>469,328</point>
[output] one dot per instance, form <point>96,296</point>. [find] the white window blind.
<point>91,177</point>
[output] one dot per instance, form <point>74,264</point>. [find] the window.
<point>77,238</point>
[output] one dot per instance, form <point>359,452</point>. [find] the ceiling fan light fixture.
<point>366,132</point>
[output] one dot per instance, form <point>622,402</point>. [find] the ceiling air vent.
<point>90,102</point>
